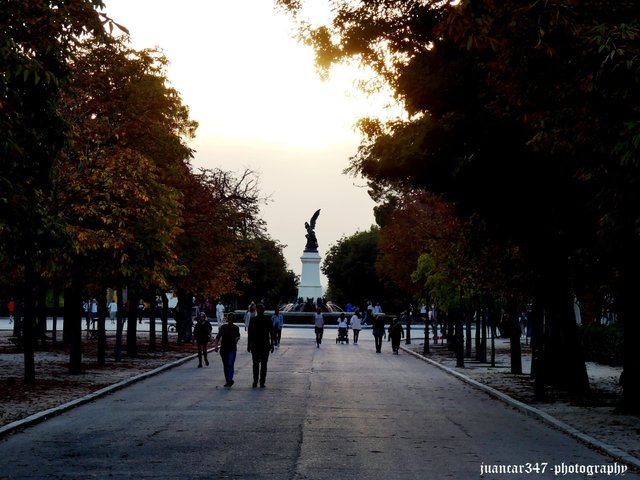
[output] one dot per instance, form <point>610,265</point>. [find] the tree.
<point>112,184</point>
<point>266,272</point>
<point>350,266</point>
<point>220,220</point>
<point>36,41</point>
<point>504,99</point>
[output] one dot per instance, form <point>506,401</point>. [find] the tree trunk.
<point>102,334</point>
<point>425,347</point>
<point>627,313</point>
<point>183,317</point>
<point>27,333</point>
<point>477,338</point>
<point>492,317</point>
<point>467,345</point>
<point>54,323</point>
<point>73,325</point>
<point>17,315</point>
<point>119,325</point>
<point>483,337</point>
<point>165,321</point>
<point>536,317</point>
<point>152,323</point>
<point>132,325</point>
<point>41,317</point>
<point>514,338</point>
<point>565,366</point>
<point>459,337</point>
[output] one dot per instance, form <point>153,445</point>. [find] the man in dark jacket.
<point>260,342</point>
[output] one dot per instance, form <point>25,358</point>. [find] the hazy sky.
<point>261,105</point>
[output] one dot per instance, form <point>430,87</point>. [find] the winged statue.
<point>312,241</point>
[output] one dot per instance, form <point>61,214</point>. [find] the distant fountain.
<point>310,305</point>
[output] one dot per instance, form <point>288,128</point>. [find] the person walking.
<point>248,315</point>
<point>378,331</point>
<point>396,332</point>
<point>227,341</point>
<point>356,325</point>
<point>318,321</point>
<point>86,308</point>
<point>113,310</point>
<point>94,313</point>
<point>140,311</point>
<point>260,343</point>
<point>202,335</point>
<point>220,314</point>
<point>278,321</point>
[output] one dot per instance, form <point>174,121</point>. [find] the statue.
<point>312,241</point>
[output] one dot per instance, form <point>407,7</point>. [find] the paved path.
<point>338,412</point>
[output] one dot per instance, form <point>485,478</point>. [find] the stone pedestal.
<point>310,286</point>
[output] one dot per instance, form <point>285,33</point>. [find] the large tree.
<point>525,115</point>
<point>37,40</point>
<point>350,266</point>
<point>113,188</point>
<point>265,275</point>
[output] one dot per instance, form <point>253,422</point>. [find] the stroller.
<point>342,336</point>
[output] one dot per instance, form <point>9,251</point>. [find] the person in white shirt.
<point>94,312</point>
<point>343,328</point>
<point>249,314</point>
<point>113,310</point>
<point>318,321</point>
<point>220,314</point>
<point>356,325</point>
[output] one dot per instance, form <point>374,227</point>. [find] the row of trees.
<point>96,186</point>
<point>515,175</point>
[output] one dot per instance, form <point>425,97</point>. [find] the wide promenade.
<point>338,411</point>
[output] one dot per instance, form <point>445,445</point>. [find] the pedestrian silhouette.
<point>260,342</point>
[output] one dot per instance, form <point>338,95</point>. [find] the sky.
<point>260,105</point>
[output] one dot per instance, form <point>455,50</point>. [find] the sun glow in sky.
<point>261,105</point>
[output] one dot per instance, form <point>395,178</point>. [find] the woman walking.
<point>356,325</point>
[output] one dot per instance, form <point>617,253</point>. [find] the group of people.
<point>263,336</point>
<point>396,332</point>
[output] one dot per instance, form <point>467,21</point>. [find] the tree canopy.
<point>96,186</point>
<point>524,116</point>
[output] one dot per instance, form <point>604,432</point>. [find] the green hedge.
<point>602,344</point>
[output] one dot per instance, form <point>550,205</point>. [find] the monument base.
<point>310,286</point>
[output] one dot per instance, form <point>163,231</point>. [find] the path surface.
<point>337,412</point>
